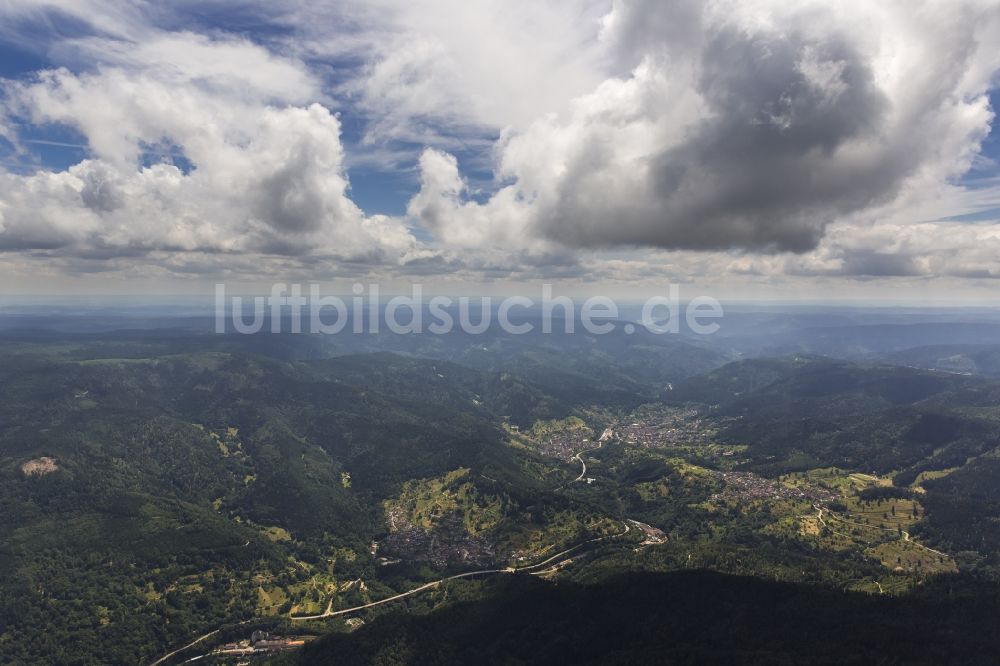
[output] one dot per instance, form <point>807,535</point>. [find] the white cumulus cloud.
<point>739,125</point>
<point>196,145</point>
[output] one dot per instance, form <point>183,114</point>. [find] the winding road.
<point>533,569</point>
<point>583,465</point>
<point>906,535</point>
<point>192,644</point>
<point>548,565</point>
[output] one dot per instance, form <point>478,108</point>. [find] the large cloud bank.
<point>737,125</point>
<point>636,138</point>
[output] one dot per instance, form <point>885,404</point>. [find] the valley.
<point>451,333</point>
<point>249,492</point>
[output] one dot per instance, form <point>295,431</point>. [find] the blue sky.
<point>586,141</point>
<point>381,189</point>
<point>56,147</point>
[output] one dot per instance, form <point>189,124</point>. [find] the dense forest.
<point>162,485</point>
<point>679,618</point>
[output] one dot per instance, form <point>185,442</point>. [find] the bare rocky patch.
<point>39,466</point>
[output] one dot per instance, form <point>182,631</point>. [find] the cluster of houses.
<point>665,429</point>
<point>448,544</point>
<point>750,486</point>
<point>564,445</point>
<point>262,643</point>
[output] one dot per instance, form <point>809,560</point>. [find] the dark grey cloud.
<point>737,126</point>
<point>762,169</point>
<point>879,264</point>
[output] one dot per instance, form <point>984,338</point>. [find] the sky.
<point>753,149</point>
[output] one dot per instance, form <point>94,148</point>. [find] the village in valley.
<point>838,509</point>
<point>447,524</point>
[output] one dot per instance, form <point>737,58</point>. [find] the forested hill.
<point>144,496</point>
<point>690,617</point>
<point>801,412</point>
<point>153,494</point>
